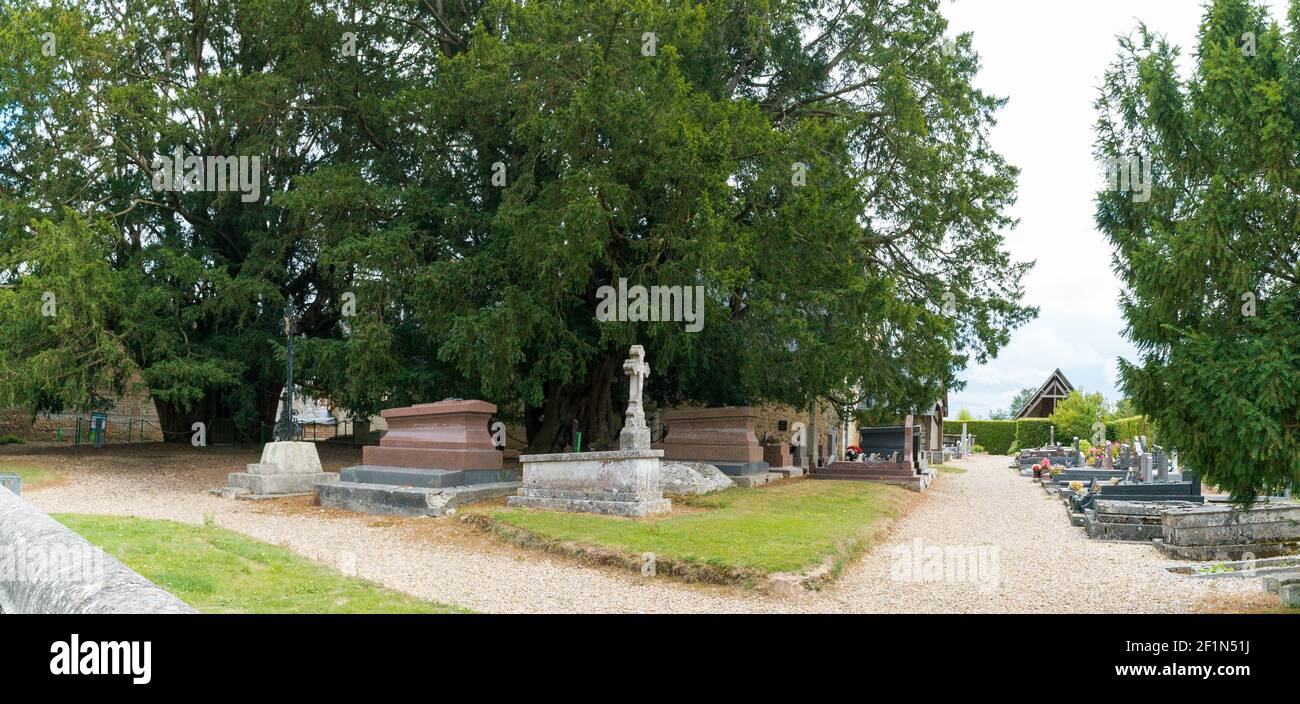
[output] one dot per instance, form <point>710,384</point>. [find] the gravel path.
<point>1040,562</point>
<point>1034,560</point>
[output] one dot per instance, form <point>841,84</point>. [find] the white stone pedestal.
<point>615,483</point>
<point>286,469</point>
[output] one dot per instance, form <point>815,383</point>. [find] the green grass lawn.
<point>220,571</point>
<point>32,476</point>
<point>786,527</point>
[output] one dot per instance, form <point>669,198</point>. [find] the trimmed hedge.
<point>994,435</point>
<point>1000,436</point>
<point>1033,432</point>
<point>1125,429</point>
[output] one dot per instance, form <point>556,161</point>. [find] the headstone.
<point>1052,441</point>
<point>1162,467</point>
<point>778,459</point>
<point>1144,466</point>
<point>1106,461</point>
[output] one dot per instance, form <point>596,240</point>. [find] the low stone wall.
<point>46,568</point>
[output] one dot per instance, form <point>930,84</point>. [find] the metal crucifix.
<point>286,429</point>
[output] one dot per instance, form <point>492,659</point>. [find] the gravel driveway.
<point>1033,560</point>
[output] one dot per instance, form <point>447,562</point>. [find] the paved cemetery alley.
<point>1032,559</point>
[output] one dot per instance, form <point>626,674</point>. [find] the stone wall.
<point>133,414</point>
<point>51,570</point>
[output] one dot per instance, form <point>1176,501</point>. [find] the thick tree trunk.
<point>587,406</point>
<point>218,417</point>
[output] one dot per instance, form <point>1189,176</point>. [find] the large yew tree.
<point>473,172</point>
<point>1211,262</point>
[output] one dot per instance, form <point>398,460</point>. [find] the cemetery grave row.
<point>1137,492</point>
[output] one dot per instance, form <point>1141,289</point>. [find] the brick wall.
<point>134,414</point>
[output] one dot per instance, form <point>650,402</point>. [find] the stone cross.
<point>635,434</point>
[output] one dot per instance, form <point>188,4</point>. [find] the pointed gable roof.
<point>1056,387</point>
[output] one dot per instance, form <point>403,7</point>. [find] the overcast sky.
<point>1047,58</point>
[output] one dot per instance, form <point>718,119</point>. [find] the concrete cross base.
<point>277,485</point>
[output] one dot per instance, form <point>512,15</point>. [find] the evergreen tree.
<point>1210,253</point>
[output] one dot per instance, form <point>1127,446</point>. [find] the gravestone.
<point>778,458</point>
<point>723,437</point>
<point>434,457</point>
<point>287,468</point>
<point>1144,467</point>
<point>1106,461</point>
<point>893,456</point>
<point>623,482</point>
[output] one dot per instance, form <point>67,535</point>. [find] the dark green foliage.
<point>1211,263</point>
<point>1034,432</point>
<point>996,435</point>
<point>877,281</point>
<point>1125,429</point>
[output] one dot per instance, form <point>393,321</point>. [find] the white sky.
<point>1048,57</point>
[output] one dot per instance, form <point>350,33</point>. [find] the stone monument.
<point>778,458</point>
<point>434,457</point>
<point>623,482</point>
<point>723,437</point>
<point>287,468</point>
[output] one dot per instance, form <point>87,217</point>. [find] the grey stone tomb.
<point>624,482</point>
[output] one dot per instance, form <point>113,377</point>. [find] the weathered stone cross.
<point>635,434</point>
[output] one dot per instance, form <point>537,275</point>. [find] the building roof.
<point>1056,387</point>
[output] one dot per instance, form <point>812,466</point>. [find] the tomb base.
<point>1227,532</point>
<point>900,473</point>
<point>614,483</point>
<point>392,500</point>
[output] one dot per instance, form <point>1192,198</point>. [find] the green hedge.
<point>1000,436</point>
<point>995,435</point>
<point>1033,432</point>
<point>1125,429</point>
